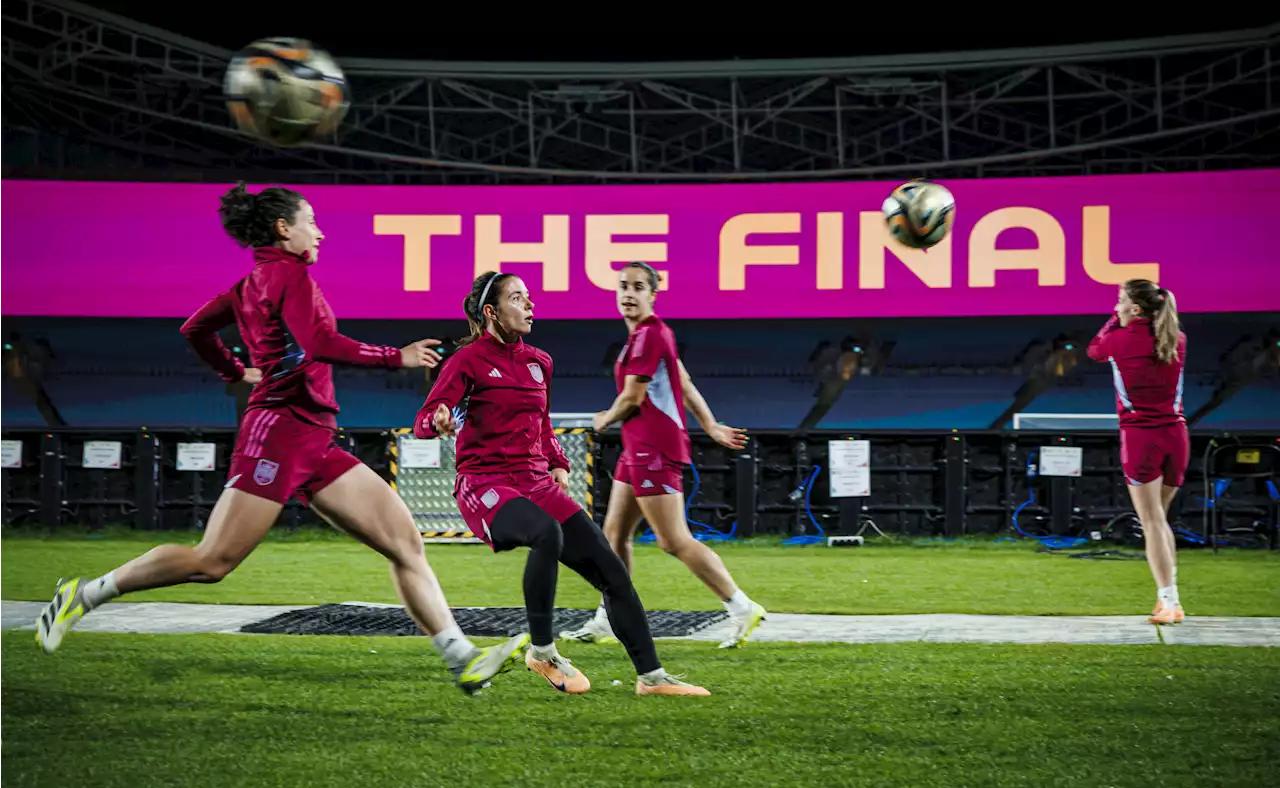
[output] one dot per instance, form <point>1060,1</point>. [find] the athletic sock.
<point>543,653</point>
<point>101,590</point>
<point>1169,595</point>
<point>739,604</point>
<point>456,649</point>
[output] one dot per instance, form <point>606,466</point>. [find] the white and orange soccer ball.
<point>285,91</point>
<point>919,213</point>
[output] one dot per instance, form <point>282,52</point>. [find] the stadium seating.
<point>120,373</point>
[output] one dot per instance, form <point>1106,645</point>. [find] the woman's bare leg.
<point>665,515</point>
<point>1150,506</point>
<point>237,525</point>
<point>621,520</point>
<point>1151,502</point>
<point>362,504</point>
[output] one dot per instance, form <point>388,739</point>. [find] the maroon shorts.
<point>279,457</point>
<point>659,476</point>
<point>1150,453</point>
<point>480,496</point>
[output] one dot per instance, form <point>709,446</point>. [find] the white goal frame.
<point>1101,420</point>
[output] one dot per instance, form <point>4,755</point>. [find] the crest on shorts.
<point>265,473</point>
<point>490,498</point>
<point>536,371</point>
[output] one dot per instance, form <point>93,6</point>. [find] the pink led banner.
<point>1020,246</point>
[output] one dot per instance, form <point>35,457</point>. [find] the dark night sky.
<point>439,31</point>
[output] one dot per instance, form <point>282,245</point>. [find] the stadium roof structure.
<point>91,94</point>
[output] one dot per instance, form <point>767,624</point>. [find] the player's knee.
<point>544,532</point>
<point>1153,520</point>
<point>214,567</point>
<point>406,549</point>
<point>678,546</point>
<point>548,536</point>
<point>601,567</point>
<point>612,528</point>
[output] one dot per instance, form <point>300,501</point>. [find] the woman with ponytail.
<point>1147,352</point>
<point>286,446</point>
<point>512,483</point>
<point>647,481</point>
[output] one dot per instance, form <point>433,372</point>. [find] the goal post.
<point>1065,421</point>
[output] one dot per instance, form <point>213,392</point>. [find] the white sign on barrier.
<point>849,468</point>
<point>10,454</point>
<point>197,456</point>
<point>419,453</point>
<point>101,454</point>
<point>1061,460</point>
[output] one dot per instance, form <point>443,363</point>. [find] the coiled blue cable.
<point>707,533</point>
<point>1049,541</point>
<point>821,536</point>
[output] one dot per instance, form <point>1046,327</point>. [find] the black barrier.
<point>923,483</point>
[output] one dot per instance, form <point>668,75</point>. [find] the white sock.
<point>456,648</point>
<point>1169,594</point>
<point>739,604</point>
<point>653,675</point>
<point>101,590</point>
<point>602,615</point>
<point>544,653</point>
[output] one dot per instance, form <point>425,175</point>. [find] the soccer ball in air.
<point>919,213</point>
<point>285,91</point>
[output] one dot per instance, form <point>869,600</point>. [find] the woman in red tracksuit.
<point>513,480</point>
<point>286,447</point>
<point>1147,352</point>
<point>653,390</point>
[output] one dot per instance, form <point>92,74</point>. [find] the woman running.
<point>285,447</point>
<point>647,481</point>
<point>1147,351</point>
<point>513,480</point>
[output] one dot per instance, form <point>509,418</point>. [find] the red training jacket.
<point>291,334</point>
<point>498,393</point>
<point>1148,393</point>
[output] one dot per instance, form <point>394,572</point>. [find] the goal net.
<point>423,473</point>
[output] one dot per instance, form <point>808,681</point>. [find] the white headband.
<point>483,295</point>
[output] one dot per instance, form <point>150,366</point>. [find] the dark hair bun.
<point>237,214</point>
<point>250,218</point>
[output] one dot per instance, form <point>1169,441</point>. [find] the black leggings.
<point>579,544</point>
